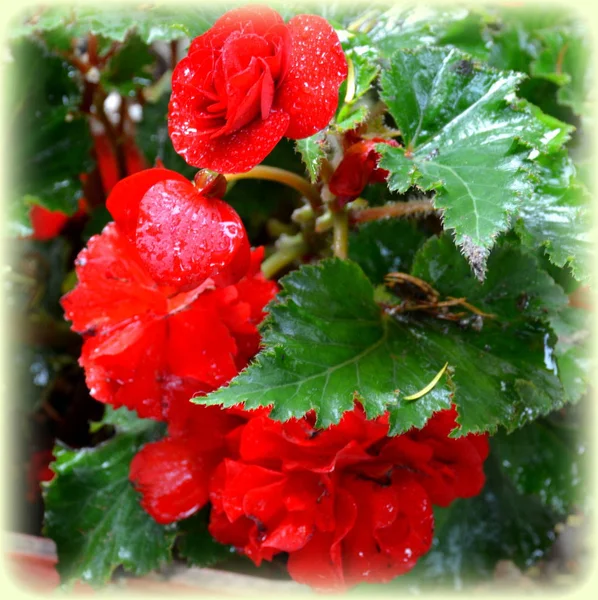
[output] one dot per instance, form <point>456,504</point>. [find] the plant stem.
<point>395,209</point>
<point>283,257</point>
<point>340,233</point>
<point>283,176</point>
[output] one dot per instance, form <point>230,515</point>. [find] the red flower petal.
<point>46,224</point>
<point>234,153</point>
<point>184,238</point>
<point>173,482</point>
<point>254,19</point>
<point>123,202</point>
<point>113,285</point>
<point>309,92</point>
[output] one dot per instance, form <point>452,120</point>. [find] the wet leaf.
<point>467,137</point>
<point>324,348</point>
<point>548,458</point>
<point>558,216</point>
<point>400,27</point>
<point>94,515</point>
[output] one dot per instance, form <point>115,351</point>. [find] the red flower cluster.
<point>250,80</point>
<point>349,504</point>
<point>147,342</point>
<point>147,345</point>
<point>358,168</point>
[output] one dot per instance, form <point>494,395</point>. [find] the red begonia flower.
<point>358,167</point>
<point>148,347</point>
<point>173,474</point>
<point>182,237</point>
<point>250,80</point>
<point>349,503</point>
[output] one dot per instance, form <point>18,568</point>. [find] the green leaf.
<point>197,545</point>
<point>558,216</point>
<point>547,458</point>
<point>325,348</point>
<point>364,66</point>
<point>52,143</point>
<point>573,352</point>
<point>312,151</point>
<point>151,23</point>
<point>463,139</point>
<point>382,247</point>
<point>565,60</point>
<point>349,119</point>
<point>130,68</point>
<point>94,515</point>
<point>516,288</point>
<point>401,27</point>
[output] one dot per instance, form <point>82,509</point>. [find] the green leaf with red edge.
<point>327,343</point>
<point>94,516</point>
<point>467,137</point>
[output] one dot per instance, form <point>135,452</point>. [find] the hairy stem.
<point>282,258</point>
<point>340,233</point>
<point>283,176</point>
<point>394,209</point>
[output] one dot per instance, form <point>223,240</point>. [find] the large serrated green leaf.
<point>558,215</point>
<point>94,515</point>
<point>467,137</point>
<point>327,343</point>
<point>573,352</point>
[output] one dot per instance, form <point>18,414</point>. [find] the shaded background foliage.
<point>536,475</point>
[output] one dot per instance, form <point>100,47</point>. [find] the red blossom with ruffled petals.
<point>349,504</point>
<point>173,474</point>
<point>182,236</point>
<point>250,80</point>
<point>358,168</point>
<point>148,347</point>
